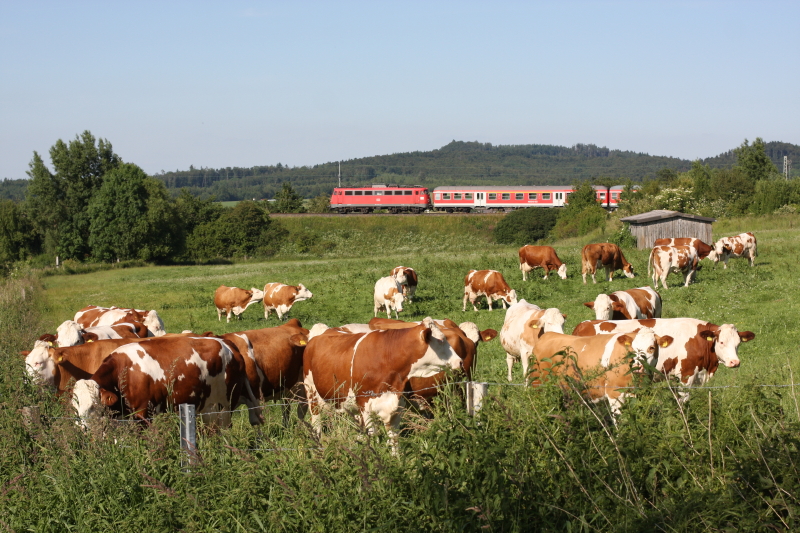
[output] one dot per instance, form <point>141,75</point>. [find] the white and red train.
<point>465,199</point>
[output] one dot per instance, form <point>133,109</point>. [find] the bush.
<point>623,237</point>
<point>525,226</point>
<point>583,222</point>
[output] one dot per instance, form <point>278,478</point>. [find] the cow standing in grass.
<point>489,283</point>
<point>604,255</point>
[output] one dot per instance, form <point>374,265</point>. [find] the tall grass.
<point>533,459</point>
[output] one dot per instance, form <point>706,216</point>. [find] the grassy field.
<point>534,459</point>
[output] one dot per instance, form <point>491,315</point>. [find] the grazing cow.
<point>464,339</point>
<point>489,283</point>
<point>643,302</point>
<point>273,359</point>
<point>572,356</point>
<point>742,245</point>
<point>407,278</point>
<point>696,351</point>
<point>281,298</point>
<point>70,333</point>
<point>523,325</point>
<point>531,257</point>
<point>367,374</point>
<point>55,367</point>
<point>93,315</point>
<point>703,250</point>
<point>666,259</point>
<point>606,255</point>
<point>388,293</point>
<point>235,300</point>
<point>151,376</point>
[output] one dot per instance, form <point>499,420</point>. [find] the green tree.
<point>57,201</point>
<point>131,217</point>
<point>193,211</point>
<point>701,180</point>
<point>287,201</point>
<point>320,204</point>
<point>582,214</point>
<point>525,226</point>
<point>16,233</point>
<point>754,161</point>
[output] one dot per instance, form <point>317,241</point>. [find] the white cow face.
<point>603,307</point>
<point>644,347</point>
<point>552,321</point>
<point>68,334</point>
<point>258,295</point>
<point>154,324</point>
<point>85,399</point>
<point>511,297</point>
<point>727,344</point>
<point>562,271</point>
<point>397,301</point>
<point>438,356</point>
<point>317,330</point>
<point>400,276</point>
<point>303,293</point>
<point>40,365</point>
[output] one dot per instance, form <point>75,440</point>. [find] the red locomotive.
<point>393,198</point>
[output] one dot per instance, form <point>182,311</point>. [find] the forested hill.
<point>464,163</point>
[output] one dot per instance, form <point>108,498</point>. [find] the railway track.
<point>351,215</point>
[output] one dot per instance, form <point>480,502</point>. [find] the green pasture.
<point>539,459</point>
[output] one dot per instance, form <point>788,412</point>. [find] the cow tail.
<point>650,262</point>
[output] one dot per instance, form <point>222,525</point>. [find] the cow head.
<point>317,330</point>
<point>628,270</point>
<point>69,334</point>
<point>470,329</point>
<point>39,364</point>
<point>510,297</point>
<point>155,326</point>
<point>644,345</point>
<point>552,321</point>
<point>604,307</point>
<point>257,295</point>
<point>85,399</point>
<point>399,275</point>
<point>721,249</point>
<point>562,271</point>
<point>397,301</point>
<point>726,341</point>
<point>439,354</point>
<point>302,293</point>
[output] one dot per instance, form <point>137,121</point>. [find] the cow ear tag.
<point>90,340</point>
<point>49,343</point>
<point>627,344</point>
<point>709,339</point>
<point>535,326</point>
<point>302,343</point>
<point>744,340</point>
<point>664,344</point>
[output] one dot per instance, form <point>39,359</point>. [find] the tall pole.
<point>340,173</point>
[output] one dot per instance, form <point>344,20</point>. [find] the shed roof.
<point>663,214</point>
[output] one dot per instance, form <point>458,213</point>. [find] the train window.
<point>446,196</point>
<point>545,196</point>
<point>378,193</point>
<point>358,193</point>
<point>348,193</point>
<point>457,196</point>
<point>407,193</point>
<point>367,193</point>
<point>506,196</point>
<point>467,196</point>
<point>398,193</point>
<point>519,196</point>
<point>603,195</point>
<point>531,196</point>
<point>492,196</point>
<point>614,195</point>
<point>437,196</point>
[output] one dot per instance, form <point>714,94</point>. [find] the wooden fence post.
<point>188,428</point>
<point>475,393</point>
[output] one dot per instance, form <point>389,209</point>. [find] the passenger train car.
<point>416,198</point>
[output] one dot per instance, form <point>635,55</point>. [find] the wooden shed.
<point>664,224</point>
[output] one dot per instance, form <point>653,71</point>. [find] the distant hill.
<point>459,162</point>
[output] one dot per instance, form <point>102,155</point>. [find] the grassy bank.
<point>533,460</point>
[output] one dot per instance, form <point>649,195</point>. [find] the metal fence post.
<point>188,428</point>
<point>475,393</point>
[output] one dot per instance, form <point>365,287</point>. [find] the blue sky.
<point>215,84</point>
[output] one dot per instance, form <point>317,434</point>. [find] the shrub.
<point>623,237</point>
<point>525,226</point>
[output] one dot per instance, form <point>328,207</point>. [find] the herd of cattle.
<point>125,360</point>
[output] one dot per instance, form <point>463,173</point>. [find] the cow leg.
<point>489,301</point>
<point>583,274</point>
<point>228,317</point>
<point>524,272</point>
<point>609,273</point>
<point>388,408</point>
<point>388,311</point>
<point>525,357</point>
<point>464,306</point>
<point>219,314</point>
<point>664,279</point>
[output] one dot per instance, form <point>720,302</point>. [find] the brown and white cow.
<point>407,278</point>
<point>666,259</point>
<point>742,245</point>
<point>389,294</point>
<point>697,349</point>
<point>235,300</point>
<point>573,356</point>
<point>523,325</point>
<point>531,257</point>
<point>281,298</point>
<point>93,315</point>
<point>489,283</point>
<point>606,255</point>
<point>703,250</point>
<point>151,376</point>
<point>70,333</point>
<point>55,367</point>
<point>464,339</point>
<point>273,359</point>
<point>643,302</point>
<point>366,374</point>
